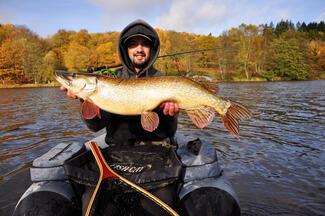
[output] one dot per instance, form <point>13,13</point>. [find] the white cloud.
<point>120,12</point>
<point>197,16</point>
<point>193,15</point>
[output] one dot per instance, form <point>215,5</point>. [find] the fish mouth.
<point>64,77</point>
<point>64,74</point>
<point>77,81</point>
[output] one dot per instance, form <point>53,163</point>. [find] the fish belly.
<point>125,102</point>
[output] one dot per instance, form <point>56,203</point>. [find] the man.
<point>146,158</point>
<point>138,49</point>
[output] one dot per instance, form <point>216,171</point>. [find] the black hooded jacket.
<point>127,130</point>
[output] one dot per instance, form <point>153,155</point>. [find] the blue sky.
<point>45,17</point>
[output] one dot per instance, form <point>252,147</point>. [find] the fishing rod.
<point>92,69</point>
<point>188,52</point>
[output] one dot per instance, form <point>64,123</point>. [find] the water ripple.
<point>276,166</point>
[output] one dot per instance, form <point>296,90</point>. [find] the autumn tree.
<point>60,39</point>
<point>82,37</point>
<point>317,51</point>
<point>174,42</point>
<point>33,61</point>
<point>248,38</point>
<point>106,54</point>
<point>12,54</point>
<point>21,54</point>
<point>227,55</point>
<point>76,58</point>
<point>52,61</point>
<point>275,51</point>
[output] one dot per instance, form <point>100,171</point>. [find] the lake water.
<point>277,166</point>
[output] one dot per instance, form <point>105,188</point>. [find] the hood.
<point>138,27</point>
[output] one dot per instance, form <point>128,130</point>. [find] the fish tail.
<point>235,113</point>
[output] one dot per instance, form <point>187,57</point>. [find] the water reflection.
<point>33,121</point>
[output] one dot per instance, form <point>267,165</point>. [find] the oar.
<point>107,173</point>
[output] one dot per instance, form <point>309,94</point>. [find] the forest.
<point>267,52</point>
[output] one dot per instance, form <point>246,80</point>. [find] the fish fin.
<point>89,110</point>
<point>208,83</point>
<point>235,113</point>
<point>201,116</point>
<point>149,121</point>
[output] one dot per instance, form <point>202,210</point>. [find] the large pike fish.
<point>141,96</point>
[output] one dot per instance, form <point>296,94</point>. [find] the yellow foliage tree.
<point>82,37</point>
<point>77,57</point>
<point>12,54</point>
<point>106,54</point>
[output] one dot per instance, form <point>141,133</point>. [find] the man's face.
<point>139,51</point>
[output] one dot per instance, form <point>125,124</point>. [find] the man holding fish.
<point>140,116</point>
<point>138,49</point>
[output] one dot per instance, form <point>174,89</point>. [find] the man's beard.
<point>140,63</point>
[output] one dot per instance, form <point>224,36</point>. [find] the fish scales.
<point>132,97</point>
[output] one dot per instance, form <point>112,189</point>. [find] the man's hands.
<point>170,108</point>
<point>88,110</point>
<point>69,94</point>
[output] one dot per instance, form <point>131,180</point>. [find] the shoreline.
<point>51,85</point>
<point>29,85</point>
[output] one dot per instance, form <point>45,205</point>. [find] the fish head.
<point>79,84</point>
